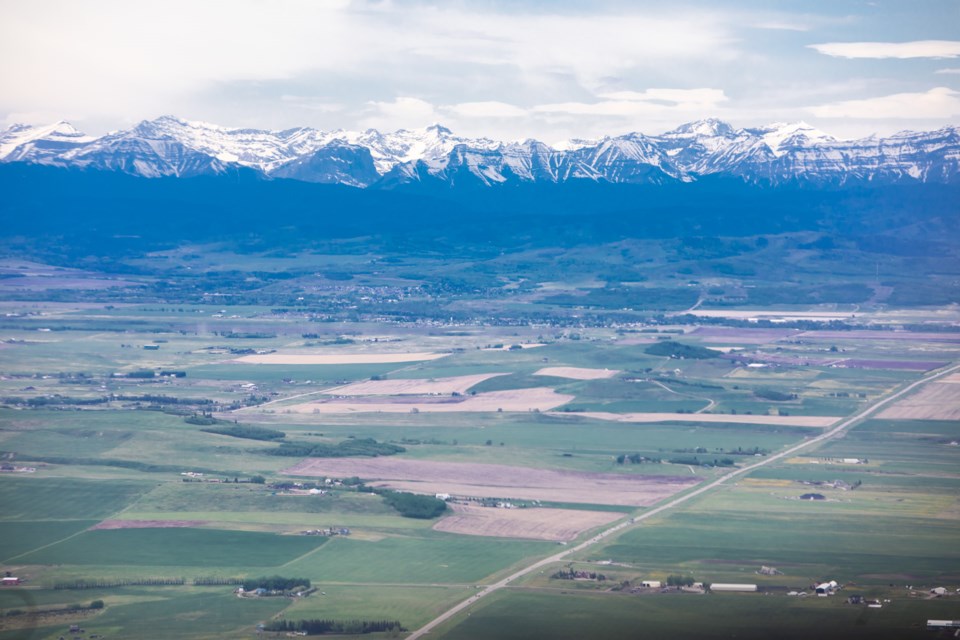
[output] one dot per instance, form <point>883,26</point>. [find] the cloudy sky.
<point>505,69</point>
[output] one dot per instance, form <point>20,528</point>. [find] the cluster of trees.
<point>570,574</point>
<point>348,448</point>
<point>57,399</point>
<point>672,349</point>
<point>318,627</point>
<point>636,458</point>
<point>774,395</point>
<point>214,581</point>
<point>412,505</point>
<point>680,581</point>
<point>111,584</point>
<point>697,462</point>
<point>38,611</point>
<point>245,431</point>
<point>275,583</point>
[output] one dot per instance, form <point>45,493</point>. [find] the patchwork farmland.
<point>156,493</point>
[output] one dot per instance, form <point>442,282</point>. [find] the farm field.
<point>541,524</point>
<point>568,615</point>
<point>535,399</point>
<point>201,459</point>
<point>500,481</point>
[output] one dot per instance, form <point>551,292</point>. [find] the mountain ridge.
<point>774,154</point>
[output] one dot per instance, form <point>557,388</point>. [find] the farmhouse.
<point>827,588</point>
<point>733,587</point>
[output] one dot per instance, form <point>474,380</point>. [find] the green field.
<point>569,616</point>
<point>195,548</point>
<point>428,558</point>
<point>104,447</point>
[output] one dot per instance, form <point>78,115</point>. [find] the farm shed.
<point>722,586</point>
<point>938,591</point>
<point>11,581</point>
<point>652,584</point>
<point>943,624</point>
<point>827,588</point>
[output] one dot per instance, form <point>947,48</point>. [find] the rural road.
<point>670,504</point>
<point>711,403</point>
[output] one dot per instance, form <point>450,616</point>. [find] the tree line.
<point>319,627</point>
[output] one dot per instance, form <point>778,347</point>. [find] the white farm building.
<point>730,586</point>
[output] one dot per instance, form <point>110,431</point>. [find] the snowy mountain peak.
<point>20,142</point>
<point>438,130</point>
<point>774,154</point>
<point>780,135</point>
<point>572,144</point>
<point>708,127</point>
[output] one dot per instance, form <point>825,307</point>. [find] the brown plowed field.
<point>537,524</point>
<point>417,386</point>
<point>498,481</point>
<point>937,401</point>
<point>539,399</point>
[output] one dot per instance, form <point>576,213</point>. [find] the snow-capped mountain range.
<point>774,154</point>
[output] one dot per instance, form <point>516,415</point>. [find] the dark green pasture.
<point>175,547</point>
<point>563,615</point>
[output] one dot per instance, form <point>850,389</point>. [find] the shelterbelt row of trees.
<point>318,627</point>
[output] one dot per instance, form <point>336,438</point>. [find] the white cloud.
<point>950,71</point>
<point>402,112</point>
<point>133,60</point>
<point>678,97</point>
<point>937,103</point>
<point>903,50</point>
<point>681,102</point>
<point>488,109</point>
<point>781,26</point>
<point>500,69</point>
<point>311,103</point>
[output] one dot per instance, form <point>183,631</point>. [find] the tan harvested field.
<point>337,358</point>
<point>538,524</point>
<point>477,480</point>
<point>577,373</point>
<point>937,401</point>
<point>873,334</point>
<point>773,316</point>
<point>419,386</point>
<point>539,399</point>
<point>790,421</point>
<point>148,524</point>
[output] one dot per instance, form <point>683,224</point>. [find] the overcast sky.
<point>545,69</point>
